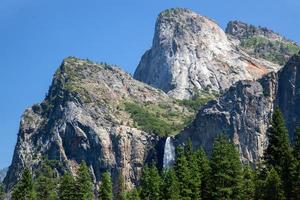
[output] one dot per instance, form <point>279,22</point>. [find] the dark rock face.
<point>288,98</point>
<point>243,113</point>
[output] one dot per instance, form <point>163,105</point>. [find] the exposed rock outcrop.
<point>244,112</point>
<point>83,118</point>
<point>191,52</point>
<point>262,42</point>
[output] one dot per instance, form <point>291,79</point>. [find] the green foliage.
<point>273,51</point>
<point>295,184</point>
<point>273,187</point>
<point>150,121</point>
<point>24,189</point>
<point>204,172</point>
<point>2,191</point>
<point>133,195</point>
<point>226,171</point>
<point>121,194</point>
<point>278,154</point>
<point>198,100</point>
<point>183,174</point>
<point>248,183</point>
<point>45,184</point>
<point>105,191</point>
<point>151,183</point>
<point>195,175</point>
<point>67,187</point>
<point>84,184</point>
<point>170,189</point>
<point>146,120</point>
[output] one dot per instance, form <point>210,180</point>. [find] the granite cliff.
<point>191,52</point>
<point>243,113</point>
<point>88,115</point>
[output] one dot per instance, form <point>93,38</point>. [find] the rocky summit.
<point>89,114</point>
<point>191,52</point>
<point>244,112</point>
<point>262,42</point>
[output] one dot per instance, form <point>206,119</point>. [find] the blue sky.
<point>35,35</point>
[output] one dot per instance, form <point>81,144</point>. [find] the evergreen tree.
<point>105,191</point>
<point>183,174</point>
<point>296,146</point>
<point>249,183</point>
<point>295,185</point>
<point>121,195</point>
<point>24,188</point>
<point>67,188</point>
<point>204,170</point>
<point>170,185</point>
<point>151,183</point>
<point>226,171</point>
<point>2,191</point>
<point>278,154</point>
<point>84,183</point>
<point>273,189</point>
<point>45,184</point>
<point>194,172</point>
<point>133,195</point>
<point>260,179</point>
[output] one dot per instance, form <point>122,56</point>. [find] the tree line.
<point>222,176</point>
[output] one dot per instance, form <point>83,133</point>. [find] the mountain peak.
<point>242,30</point>
<point>191,52</point>
<point>261,42</point>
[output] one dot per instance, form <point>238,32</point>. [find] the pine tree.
<point>133,195</point>
<point>204,169</point>
<point>24,188</point>
<point>84,184</point>
<point>296,146</point>
<point>226,171</point>
<point>121,195</point>
<point>295,184</point>
<point>273,188</point>
<point>67,188</point>
<point>170,185</point>
<point>194,172</point>
<point>105,191</point>
<point>278,154</point>
<point>45,184</point>
<point>151,183</point>
<point>260,180</point>
<point>249,183</point>
<point>183,173</point>
<point>2,191</point>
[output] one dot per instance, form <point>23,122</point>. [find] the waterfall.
<point>169,153</point>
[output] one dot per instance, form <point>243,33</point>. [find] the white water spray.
<point>169,153</point>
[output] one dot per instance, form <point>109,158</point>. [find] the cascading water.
<point>169,153</point>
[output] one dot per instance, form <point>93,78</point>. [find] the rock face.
<point>244,112</point>
<point>261,42</point>
<point>83,118</point>
<point>3,173</point>
<point>191,52</point>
